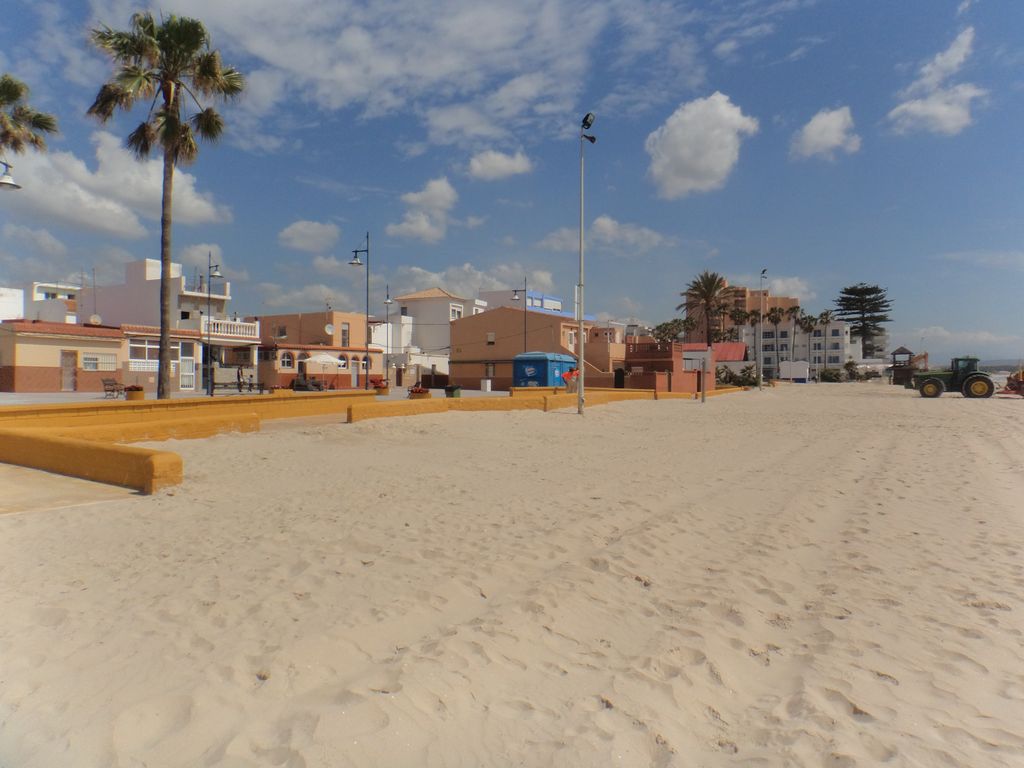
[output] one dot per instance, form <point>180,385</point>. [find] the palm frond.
<point>208,124</point>
<point>186,149</point>
<point>11,91</point>
<point>141,140</point>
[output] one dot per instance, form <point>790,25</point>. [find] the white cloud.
<point>427,217</point>
<point>826,133</point>
<point>1013,260</point>
<point>946,111</point>
<point>932,105</point>
<point>39,240</point>
<point>696,149</point>
<point>200,255</point>
<point>330,265</point>
<point>940,334</point>
<point>796,287</point>
<point>490,165</point>
<point>58,186</point>
<point>606,233</point>
<point>964,7</point>
<point>309,236</point>
<point>306,296</point>
<point>467,280</point>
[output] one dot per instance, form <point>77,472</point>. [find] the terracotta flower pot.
<point>420,395</point>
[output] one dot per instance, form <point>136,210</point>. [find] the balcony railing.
<point>236,329</point>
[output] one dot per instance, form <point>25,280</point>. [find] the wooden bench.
<point>112,388</point>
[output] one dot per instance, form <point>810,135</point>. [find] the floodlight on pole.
<point>588,121</point>
<point>760,333</point>
<point>355,262</point>
<point>212,271</point>
<point>515,297</point>
<point>6,182</point>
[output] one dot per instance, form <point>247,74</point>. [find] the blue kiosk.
<point>540,369</point>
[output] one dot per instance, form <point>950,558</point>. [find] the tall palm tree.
<point>792,314</point>
<point>21,126</point>
<point>808,323</point>
<point>826,319</point>
<point>705,297</point>
<point>775,316</point>
<point>168,66</point>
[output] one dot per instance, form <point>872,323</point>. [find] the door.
<point>68,370</point>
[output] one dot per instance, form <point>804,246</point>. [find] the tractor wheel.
<point>931,388</point>
<point>978,386</point>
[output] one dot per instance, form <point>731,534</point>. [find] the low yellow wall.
<point>135,432</point>
<point>520,403</point>
<point>675,396</point>
<point>372,410</point>
<point>138,468</point>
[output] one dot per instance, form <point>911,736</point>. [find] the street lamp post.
<point>6,182</point>
<point>388,301</point>
<point>760,333</point>
<point>515,297</point>
<point>357,263</point>
<point>212,271</point>
<point>588,120</point>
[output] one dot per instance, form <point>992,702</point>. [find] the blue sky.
<point>830,142</point>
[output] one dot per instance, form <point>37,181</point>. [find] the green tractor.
<point>963,377</point>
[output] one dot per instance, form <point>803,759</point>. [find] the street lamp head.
<point>355,262</point>
<point>6,182</point>
<point>515,294</point>
<point>764,272</point>
<point>588,137</point>
<point>215,271</point>
<point>588,120</point>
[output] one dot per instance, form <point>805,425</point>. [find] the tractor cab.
<point>962,366</point>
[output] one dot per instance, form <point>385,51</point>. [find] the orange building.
<point>289,342</point>
<point>738,297</point>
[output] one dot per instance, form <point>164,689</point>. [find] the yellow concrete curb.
<point>371,410</point>
<point>167,429</point>
<point>139,468</point>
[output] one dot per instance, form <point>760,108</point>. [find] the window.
<point>363,363</point>
<point>768,334</point>
<point>783,334</point>
<point>287,361</point>
<point>263,355</point>
<point>281,332</point>
<point>833,359</point>
<point>767,361</point>
<point>834,345</point>
<point>185,314</point>
<point>769,347</point>
<point>477,310</point>
<point>343,363</point>
<point>344,334</point>
<point>148,349</point>
<point>817,333</point>
<point>403,311</point>
<point>817,345</point>
<point>571,339</point>
<point>783,347</point>
<point>99,361</point>
<point>836,332</point>
<point>488,370</point>
<point>817,360</point>
<point>490,338</point>
<point>454,311</point>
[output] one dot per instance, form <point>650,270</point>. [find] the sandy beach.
<point>822,575</point>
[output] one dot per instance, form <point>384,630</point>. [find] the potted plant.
<point>134,392</point>
<point>419,393</point>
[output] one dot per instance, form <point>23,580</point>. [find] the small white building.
<point>420,332</point>
<point>829,346</point>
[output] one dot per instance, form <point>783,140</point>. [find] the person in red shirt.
<point>569,378</point>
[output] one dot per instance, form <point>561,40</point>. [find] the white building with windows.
<point>829,346</point>
<point>205,336</point>
<point>420,332</point>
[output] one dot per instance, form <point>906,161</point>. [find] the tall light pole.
<point>6,182</point>
<point>515,297</point>
<point>388,301</point>
<point>357,263</point>
<point>760,333</point>
<point>588,120</point>
<point>212,271</point>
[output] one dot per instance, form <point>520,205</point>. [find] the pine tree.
<point>865,307</point>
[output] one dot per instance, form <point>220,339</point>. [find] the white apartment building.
<point>198,309</point>
<point>417,337</point>
<point>824,347</point>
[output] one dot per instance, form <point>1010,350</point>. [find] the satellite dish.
<point>329,329</point>
<point>95,319</point>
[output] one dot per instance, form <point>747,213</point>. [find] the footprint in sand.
<point>141,726</point>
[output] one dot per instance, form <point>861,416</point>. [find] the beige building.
<point>58,357</point>
<point>484,345</point>
<point>744,299</point>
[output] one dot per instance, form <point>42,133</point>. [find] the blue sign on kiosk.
<point>540,369</point>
